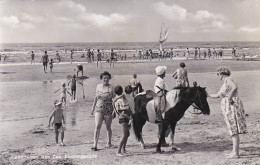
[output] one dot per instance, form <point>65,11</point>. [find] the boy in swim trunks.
<point>51,65</point>
<point>122,109</point>
<point>73,86</point>
<point>58,117</point>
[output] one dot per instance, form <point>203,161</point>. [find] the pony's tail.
<point>137,126</point>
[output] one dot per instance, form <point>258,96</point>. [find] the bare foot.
<point>108,145</point>
<point>119,154</point>
<point>232,155</point>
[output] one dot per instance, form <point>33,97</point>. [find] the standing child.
<point>73,87</point>
<point>51,65</point>
<point>63,93</point>
<point>79,69</point>
<point>58,117</point>
<point>122,109</point>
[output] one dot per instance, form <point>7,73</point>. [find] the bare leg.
<point>56,134</point>
<point>235,151</point>
<point>62,136</point>
<point>98,123</point>
<point>125,136</point>
<point>108,121</point>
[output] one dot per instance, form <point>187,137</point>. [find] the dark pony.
<point>196,96</point>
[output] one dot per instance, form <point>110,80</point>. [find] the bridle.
<point>195,107</point>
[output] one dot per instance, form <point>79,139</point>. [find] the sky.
<point>37,21</point>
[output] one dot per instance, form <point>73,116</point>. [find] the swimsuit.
<point>58,125</point>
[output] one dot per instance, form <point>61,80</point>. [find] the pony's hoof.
<point>158,150</point>
<point>165,144</point>
<point>143,147</point>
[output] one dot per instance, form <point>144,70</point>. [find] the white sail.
<point>163,36</point>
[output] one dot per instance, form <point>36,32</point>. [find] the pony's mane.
<point>184,91</point>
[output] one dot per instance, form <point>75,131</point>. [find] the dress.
<point>234,115</point>
<point>104,99</point>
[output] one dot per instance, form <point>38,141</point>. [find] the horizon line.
<point>115,42</point>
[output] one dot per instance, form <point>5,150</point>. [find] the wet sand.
<point>27,96</point>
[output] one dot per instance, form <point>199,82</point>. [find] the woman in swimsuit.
<point>103,108</point>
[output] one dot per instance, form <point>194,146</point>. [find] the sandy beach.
<point>27,95</point>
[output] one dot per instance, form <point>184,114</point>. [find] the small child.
<point>73,88</point>
<point>79,69</point>
<point>63,93</point>
<point>51,64</point>
<point>58,117</point>
<point>122,109</point>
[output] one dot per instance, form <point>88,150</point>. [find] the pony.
<point>178,101</point>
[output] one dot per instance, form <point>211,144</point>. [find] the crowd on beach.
<point>111,101</point>
<point>111,56</point>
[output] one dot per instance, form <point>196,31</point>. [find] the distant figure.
<point>51,65</point>
<point>63,93</point>
<point>215,55</point>
<point>134,84</point>
<point>205,54</point>
<point>209,53</point>
<point>89,56</point>
<point>58,56</point>
<point>199,53</point>
<point>45,61</point>
<point>73,86</point>
<point>187,54</point>
<point>181,76</point>
<point>32,58</point>
<point>71,56</point>
<point>112,58</point>
<point>79,69</point>
<point>232,108</point>
<point>171,53</point>
<point>92,56</point>
<point>234,52</point>
<point>195,54</point>
<point>221,53</point>
<point>99,56</point>
<point>58,118</point>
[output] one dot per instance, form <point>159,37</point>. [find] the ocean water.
<point>21,52</point>
<point>23,47</point>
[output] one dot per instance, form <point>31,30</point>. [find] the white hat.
<point>160,70</point>
<point>57,102</point>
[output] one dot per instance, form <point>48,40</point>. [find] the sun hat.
<point>57,102</point>
<point>159,70</point>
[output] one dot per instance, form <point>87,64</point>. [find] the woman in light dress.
<point>232,109</point>
<point>103,108</point>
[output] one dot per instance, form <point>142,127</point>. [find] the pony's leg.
<point>141,141</point>
<point>162,136</point>
<point>164,144</point>
<point>173,126</point>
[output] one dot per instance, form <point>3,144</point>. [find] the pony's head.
<point>197,95</point>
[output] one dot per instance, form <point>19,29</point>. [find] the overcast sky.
<point>128,20</point>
